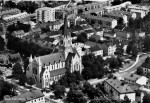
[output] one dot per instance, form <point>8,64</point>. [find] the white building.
<point>139,13</point>
<point>97,51</point>
<point>145,9</point>
<point>103,21</point>
<point>45,14</point>
<point>117,7</point>
<point>118,89</point>
<point>16,16</point>
<point>34,96</point>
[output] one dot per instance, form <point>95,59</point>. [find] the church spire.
<point>65,28</point>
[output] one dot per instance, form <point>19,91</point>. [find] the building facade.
<point>118,90</point>
<point>45,14</point>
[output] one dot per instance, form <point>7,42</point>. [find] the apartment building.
<point>45,14</point>
<point>103,21</point>
<point>118,89</point>
<point>145,9</point>
<point>116,16</point>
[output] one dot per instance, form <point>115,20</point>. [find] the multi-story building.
<point>45,14</point>
<point>117,7</point>
<point>119,89</point>
<point>116,16</point>
<point>103,21</point>
<point>34,96</point>
<point>97,51</point>
<point>139,13</point>
<point>145,9</point>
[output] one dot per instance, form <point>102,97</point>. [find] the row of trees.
<point>28,6</point>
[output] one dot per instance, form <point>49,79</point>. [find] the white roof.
<point>137,11</point>
<point>142,81</point>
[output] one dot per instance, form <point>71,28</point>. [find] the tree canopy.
<point>146,98</point>
<point>17,70</point>
<point>82,37</point>
<point>2,44</point>
<point>59,91</point>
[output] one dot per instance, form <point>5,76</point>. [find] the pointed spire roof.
<point>65,28</point>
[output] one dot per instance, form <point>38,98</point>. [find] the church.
<point>49,68</point>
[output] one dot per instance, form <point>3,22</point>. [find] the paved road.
<point>139,63</point>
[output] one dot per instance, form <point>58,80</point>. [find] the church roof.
<point>51,58</point>
<point>70,55</point>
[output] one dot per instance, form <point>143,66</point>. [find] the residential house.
<point>14,57</point>
<point>139,33</point>
<point>34,96</point>
<point>123,35</point>
<point>116,16</point>
<point>119,89</point>
<point>144,9</point>
<point>76,29</point>
<point>97,37</point>
<point>146,66</point>
<point>139,13</point>
<point>125,44</point>
<point>127,13</point>
<point>89,33</point>
<point>133,80</point>
<point>96,50</point>
<point>54,26</point>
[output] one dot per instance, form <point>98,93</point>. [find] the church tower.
<point>66,40</point>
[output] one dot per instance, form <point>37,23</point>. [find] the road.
<point>139,63</point>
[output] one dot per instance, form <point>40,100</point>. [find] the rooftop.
<point>119,86</point>
<point>95,48</point>
<point>51,58</point>
<point>28,96</point>
<point>97,18</point>
<point>130,76</point>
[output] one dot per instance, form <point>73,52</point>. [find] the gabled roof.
<point>95,48</point>
<point>119,86</point>
<point>98,18</point>
<point>28,96</point>
<point>51,58</point>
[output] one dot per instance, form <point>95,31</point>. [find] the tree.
<point>119,50</point>
<point>146,43</point>
<point>134,50</point>
<point>82,37</point>
<point>59,91</point>
<point>76,96</point>
<point>9,4</point>
<point>87,73</point>
<point>146,98</point>
<point>2,44</point>
<point>8,89</point>
<point>31,81</point>
<point>17,70</point>
<point>140,71</point>
<point>126,99</point>
<point>22,79</point>
<point>1,73</point>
